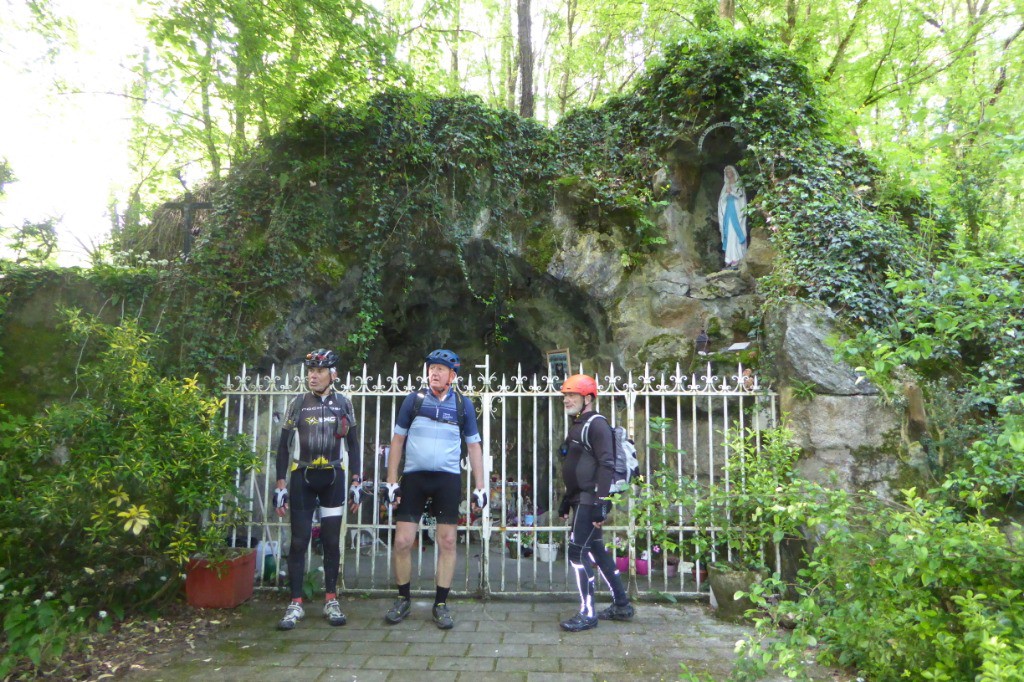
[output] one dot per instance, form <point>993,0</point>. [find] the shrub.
<point>757,502</point>
<point>112,490</point>
<point>901,590</point>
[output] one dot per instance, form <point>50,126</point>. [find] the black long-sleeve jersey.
<point>588,473</point>
<point>319,425</point>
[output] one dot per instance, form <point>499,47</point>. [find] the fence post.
<point>485,518</point>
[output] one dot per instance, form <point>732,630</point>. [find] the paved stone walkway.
<point>493,640</point>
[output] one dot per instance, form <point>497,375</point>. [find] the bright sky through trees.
<point>67,151</point>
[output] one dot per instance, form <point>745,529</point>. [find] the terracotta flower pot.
<point>222,585</point>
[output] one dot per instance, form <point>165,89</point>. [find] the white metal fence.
<point>522,425</point>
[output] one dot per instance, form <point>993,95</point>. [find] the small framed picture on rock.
<point>559,366</point>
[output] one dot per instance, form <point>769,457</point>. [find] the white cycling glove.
<point>480,498</point>
<point>280,498</point>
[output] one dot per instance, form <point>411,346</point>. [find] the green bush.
<point>110,493</point>
<point>959,335</point>
<point>917,589</point>
<point>753,505</point>
<point>912,590</point>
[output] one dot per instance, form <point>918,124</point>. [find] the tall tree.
<point>727,10</point>
<point>526,105</point>
<point>565,81</point>
<point>509,62</point>
<point>454,42</point>
<point>240,68</point>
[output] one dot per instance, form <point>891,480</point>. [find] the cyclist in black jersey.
<point>587,470</point>
<point>320,447</point>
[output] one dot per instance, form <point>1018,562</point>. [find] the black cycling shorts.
<point>312,488</point>
<point>443,490</point>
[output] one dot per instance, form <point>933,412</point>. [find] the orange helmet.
<point>580,383</point>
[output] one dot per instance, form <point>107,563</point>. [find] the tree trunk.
<point>727,10</point>
<point>209,126</point>
<point>526,108</point>
<point>790,30</point>
<point>851,29</point>
<point>456,35</point>
<point>566,80</point>
<point>509,67</point>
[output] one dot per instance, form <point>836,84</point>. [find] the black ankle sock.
<point>441,597</point>
<point>405,590</point>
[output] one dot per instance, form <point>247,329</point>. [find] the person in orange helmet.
<point>588,465</point>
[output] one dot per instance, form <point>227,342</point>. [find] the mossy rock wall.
<point>39,365</point>
<point>409,222</point>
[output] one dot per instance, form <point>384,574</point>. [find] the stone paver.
<point>491,640</point>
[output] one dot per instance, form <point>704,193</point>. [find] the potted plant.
<point>220,582</point>
<point>548,543</point>
<point>648,556</point>
<point>220,577</point>
<point>761,508</point>
<point>742,515</point>
<point>671,565</point>
<point>519,545</point>
<point>619,550</point>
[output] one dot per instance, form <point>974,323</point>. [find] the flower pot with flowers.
<point>519,545</point>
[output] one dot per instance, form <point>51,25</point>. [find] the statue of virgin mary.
<point>732,217</point>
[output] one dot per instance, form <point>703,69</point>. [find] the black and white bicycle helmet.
<point>322,357</point>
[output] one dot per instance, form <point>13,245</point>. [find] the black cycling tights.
<point>330,536</point>
<point>323,488</point>
<point>587,540</point>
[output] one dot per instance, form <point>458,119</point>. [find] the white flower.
<point>48,595</point>
<point>102,614</point>
<point>37,602</point>
<point>71,609</point>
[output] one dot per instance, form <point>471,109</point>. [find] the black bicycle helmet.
<point>322,357</point>
<point>445,357</point>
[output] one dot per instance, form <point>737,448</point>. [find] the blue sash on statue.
<point>732,222</point>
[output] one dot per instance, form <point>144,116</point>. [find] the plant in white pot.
<point>519,545</point>
<point>548,543</point>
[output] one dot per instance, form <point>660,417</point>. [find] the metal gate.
<point>522,425</point>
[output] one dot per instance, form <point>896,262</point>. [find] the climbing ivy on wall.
<point>360,191</point>
<point>352,195</point>
<point>815,193</point>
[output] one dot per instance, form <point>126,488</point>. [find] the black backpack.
<point>460,410</point>
<point>460,406</point>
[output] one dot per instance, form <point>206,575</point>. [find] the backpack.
<point>626,464</point>
<point>460,412</point>
<point>460,406</point>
